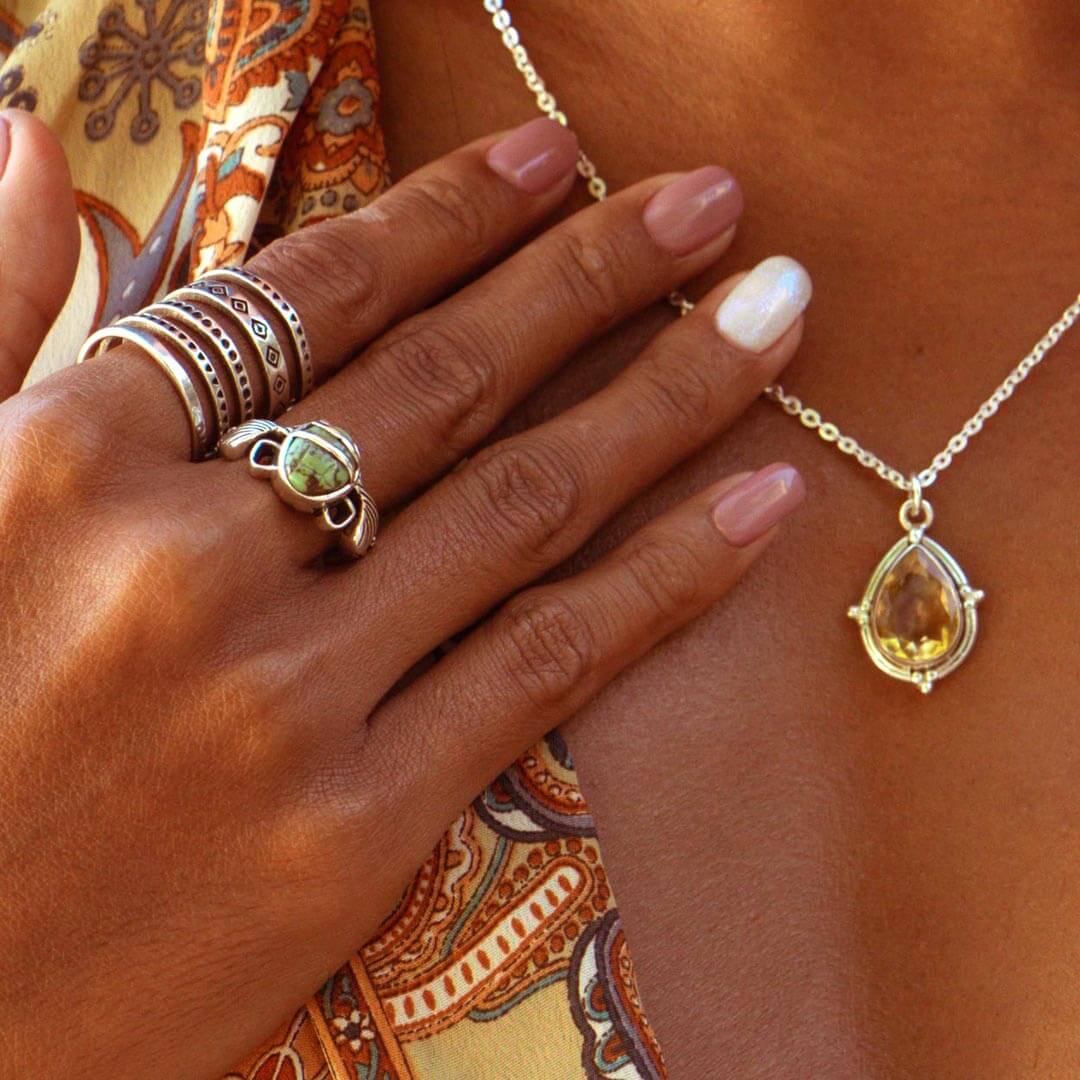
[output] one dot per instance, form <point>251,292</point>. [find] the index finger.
<point>351,277</point>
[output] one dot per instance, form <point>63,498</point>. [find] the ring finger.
<point>436,385</point>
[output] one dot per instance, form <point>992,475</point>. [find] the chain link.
<point>810,418</point>
<point>545,99</point>
<point>792,405</point>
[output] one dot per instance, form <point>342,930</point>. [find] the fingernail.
<point>693,210</point>
<point>752,508</point>
<point>535,156</point>
<point>5,143</point>
<point>762,307</point>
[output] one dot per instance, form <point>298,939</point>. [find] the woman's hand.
<point>212,785</point>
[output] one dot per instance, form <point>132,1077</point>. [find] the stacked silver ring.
<point>193,334</point>
<point>198,336</point>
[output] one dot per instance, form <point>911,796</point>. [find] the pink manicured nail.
<point>752,508</point>
<point>535,156</point>
<point>694,209</point>
<point>5,143</point>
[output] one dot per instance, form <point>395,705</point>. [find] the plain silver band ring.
<point>176,372</point>
<point>150,321</point>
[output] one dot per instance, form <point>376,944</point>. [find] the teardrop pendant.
<point>917,615</point>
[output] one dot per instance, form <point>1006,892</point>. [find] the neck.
<point>1009,40</point>
<point>969,74</point>
<point>912,38</point>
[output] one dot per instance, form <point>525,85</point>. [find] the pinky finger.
<point>550,649</point>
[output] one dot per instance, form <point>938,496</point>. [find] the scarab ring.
<point>314,468</point>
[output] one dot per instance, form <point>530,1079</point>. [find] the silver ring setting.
<point>314,468</point>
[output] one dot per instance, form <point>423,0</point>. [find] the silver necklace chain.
<point>793,406</point>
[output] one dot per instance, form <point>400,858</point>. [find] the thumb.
<point>39,240</point>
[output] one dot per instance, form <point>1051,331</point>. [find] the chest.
<point>939,224</point>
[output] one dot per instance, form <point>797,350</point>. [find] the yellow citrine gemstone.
<point>917,611</point>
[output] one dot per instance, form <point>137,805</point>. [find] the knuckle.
<point>152,576</point>
<point>139,597</point>
<point>443,382</point>
<point>550,649</point>
<point>235,713</point>
<point>526,492</point>
<point>593,269</point>
<point>449,206</point>
<point>668,575</point>
<point>328,249</point>
<point>250,690</point>
<point>296,847</point>
<point>682,392</point>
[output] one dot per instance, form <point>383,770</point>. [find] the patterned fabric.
<point>193,134</point>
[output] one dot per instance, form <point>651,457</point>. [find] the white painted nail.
<point>761,308</point>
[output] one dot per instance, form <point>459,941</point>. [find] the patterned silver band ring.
<point>287,314</point>
<point>236,304</point>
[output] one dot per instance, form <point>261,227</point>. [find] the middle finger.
<point>435,386</point>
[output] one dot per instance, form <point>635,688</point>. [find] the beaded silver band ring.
<point>218,333</point>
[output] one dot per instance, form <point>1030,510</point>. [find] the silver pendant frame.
<point>922,673</point>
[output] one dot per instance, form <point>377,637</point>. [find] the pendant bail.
<point>916,515</point>
<point>916,495</point>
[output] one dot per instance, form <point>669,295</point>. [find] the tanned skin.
<point>822,872</point>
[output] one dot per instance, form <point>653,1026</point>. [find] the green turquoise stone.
<point>329,435</point>
<point>311,470</point>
